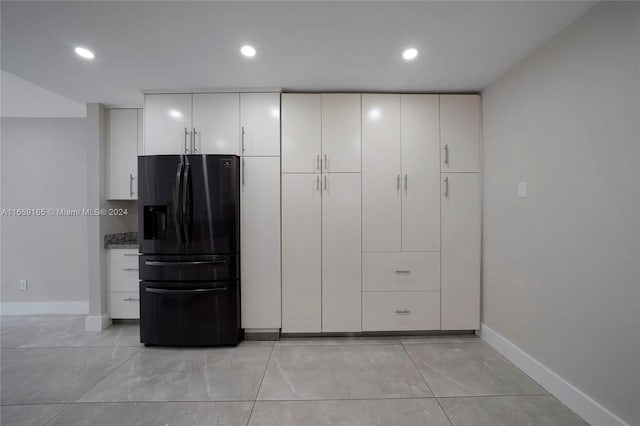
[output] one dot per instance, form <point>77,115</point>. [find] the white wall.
<point>560,268</point>
<point>43,166</point>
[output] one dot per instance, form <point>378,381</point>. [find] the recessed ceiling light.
<point>248,51</point>
<point>85,53</point>
<point>175,113</point>
<point>410,54</point>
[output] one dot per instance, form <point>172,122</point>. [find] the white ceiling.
<point>464,46</point>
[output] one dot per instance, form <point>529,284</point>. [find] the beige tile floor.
<point>55,373</point>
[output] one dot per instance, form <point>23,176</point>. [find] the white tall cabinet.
<point>321,222</point>
<point>401,212</point>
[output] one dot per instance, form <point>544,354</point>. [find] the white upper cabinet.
<point>460,251</point>
<point>216,122</point>
<point>460,133</point>
<point>381,186</point>
<point>260,124</point>
<point>122,154</point>
<point>260,254</point>
<point>341,132</point>
<point>301,133</point>
<point>420,173</point>
<point>167,124</point>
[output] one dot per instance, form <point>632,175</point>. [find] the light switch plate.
<point>522,189</point>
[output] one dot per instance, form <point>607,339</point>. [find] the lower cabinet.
<point>260,242</point>
<point>321,253</point>
<point>122,277</point>
<point>460,251</point>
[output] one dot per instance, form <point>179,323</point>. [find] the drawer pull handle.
<point>129,269</point>
<point>131,299</point>
<point>403,312</point>
<point>131,254</point>
<point>403,271</point>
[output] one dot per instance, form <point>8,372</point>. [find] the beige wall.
<point>43,166</point>
<point>560,268</point>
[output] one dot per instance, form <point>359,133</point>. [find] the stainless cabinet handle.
<point>131,299</point>
<point>131,254</point>
<point>186,134</point>
<point>446,154</point>
<point>325,182</point>
<point>403,312</point>
<point>326,162</point>
<point>318,161</point>
<point>318,183</point>
<point>398,182</point>
<point>446,187</point>
<point>243,172</point>
<point>403,271</point>
<point>242,138</point>
<point>131,185</point>
<point>405,182</point>
<point>193,141</point>
<point>129,269</point>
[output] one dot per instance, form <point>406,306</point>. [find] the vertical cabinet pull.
<point>398,182</point>
<point>405,182</point>
<point>326,162</point>
<point>193,141</point>
<point>131,185</point>
<point>318,162</point>
<point>446,154</point>
<point>186,135</point>
<point>242,138</point>
<point>446,187</point>
<point>318,183</point>
<point>325,182</point>
<point>242,172</point>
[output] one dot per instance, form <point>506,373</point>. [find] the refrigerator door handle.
<point>175,263</point>
<point>187,213</point>
<point>186,292</point>
<point>177,202</point>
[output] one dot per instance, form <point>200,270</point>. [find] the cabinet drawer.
<point>123,270</point>
<point>125,305</point>
<point>397,310</point>
<point>409,271</point>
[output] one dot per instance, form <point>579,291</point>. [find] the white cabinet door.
<point>167,124</point>
<point>341,132</point>
<point>341,253</point>
<point>420,173</point>
<point>381,204</point>
<point>216,119</point>
<point>260,254</point>
<point>301,253</point>
<point>260,122</point>
<point>122,157</point>
<point>460,251</point>
<point>460,132</point>
<point>301,133</point>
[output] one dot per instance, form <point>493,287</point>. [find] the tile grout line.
<point>427,383</point>
<point>109,375</point>
<point>58,414</point>
<point>264,373</point>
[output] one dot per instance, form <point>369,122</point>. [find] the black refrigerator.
<point>189,239</point>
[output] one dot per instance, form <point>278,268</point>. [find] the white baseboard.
<point>97,322</point>
<point>44,308</point>
<point>583,405</point>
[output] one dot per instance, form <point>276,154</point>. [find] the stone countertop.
<point>125,240</point>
